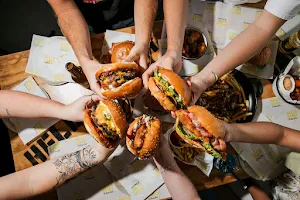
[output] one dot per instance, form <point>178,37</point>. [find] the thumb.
<point>132,56</point>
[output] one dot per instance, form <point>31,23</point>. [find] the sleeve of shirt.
<point>284,9</point>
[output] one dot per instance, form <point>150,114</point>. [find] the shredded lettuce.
<point>191,136</point>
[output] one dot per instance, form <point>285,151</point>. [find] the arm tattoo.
<point>72,164</point>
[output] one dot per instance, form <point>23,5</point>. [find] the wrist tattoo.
<point>72,164</point>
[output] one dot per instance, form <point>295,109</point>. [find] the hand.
<point>197,88</point>
<point>170,60</point>
<point>75,111</point>
<point>164,156</point>
<point>138,53</point>
<point>90,68</point>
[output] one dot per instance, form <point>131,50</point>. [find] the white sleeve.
<point>284,9</point>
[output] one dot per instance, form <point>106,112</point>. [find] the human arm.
<point>238,51</point>
<point>75,29</point>
<point>20,104</point>
<point>263,133</point>
<point>46,176</point>
<point>175,13</point>
<point>179,186</point>
<point>144,16</point>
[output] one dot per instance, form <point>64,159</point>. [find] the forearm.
<point>20,104</point>
<point>175,13</point>
<point>179,186</point>
<point>144,16</point>
<point>74,28</point>
<point>257,193</point>
<point>263,133</point>
<point>242,48</point>
<point>44,177</point>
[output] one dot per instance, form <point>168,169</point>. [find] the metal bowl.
<point>205,42</point>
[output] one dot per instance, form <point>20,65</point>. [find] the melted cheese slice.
<point>104,116</point>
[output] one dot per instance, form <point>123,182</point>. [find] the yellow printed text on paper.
<point>39,41</point>
<point>210,6</point>
<point>38,127</point>
<point>245,25</point>
<point>232,35</point>
<point>257,154</point>
<point>137,189</point>
<point>58,77</point>
<point>30,85</point>
<point>275,102</point>
<point>221,22</point>
<point>281,33</point>
<point>237,10</point>
<point>258,13</point>
<point>197,18</point>
<point>65,47</point>
<point>292,115</point>
<point>49,59</point>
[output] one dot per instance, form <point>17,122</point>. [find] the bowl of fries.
<point>182,150</point>
<point>231,98</point>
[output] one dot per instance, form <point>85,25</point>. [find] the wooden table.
<point>12,72</point>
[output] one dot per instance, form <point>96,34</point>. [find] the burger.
<point>120,80</point>
<point>152,104</point>
<point>120,51</point>
<point>199,128</point>
<point>169,89</point>
<point>143,136</point>
<point>106,122</point>
<point>262,57</point>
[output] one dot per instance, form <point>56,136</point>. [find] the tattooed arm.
<point>20,104</point>
<point>46,176</point>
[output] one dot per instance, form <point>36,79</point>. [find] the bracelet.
<point>215,75</point>
<point>165,169</point>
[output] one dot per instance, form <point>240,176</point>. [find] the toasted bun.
<point>262,57</point>
<point>179,84</point>
<point>129,89</point>
<point>152,103</point>
<point>91,129</point>
<point>118,116</point>
<point>160,96</point>
<point>187,140</point>
<point>117,67</point>
<point>208,121</point>
<point>151,139</point>
<point>120,51</point>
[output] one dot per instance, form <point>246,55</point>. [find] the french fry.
<point>177,152</point>
<point>242,116</point>
<point>238,113</point>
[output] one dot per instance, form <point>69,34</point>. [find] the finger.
<point>97,89</point>
<point>173,114</point>
<point>143,62</point>
<point>132,56</point>
<point>189,83</point>
<point>147,74</point>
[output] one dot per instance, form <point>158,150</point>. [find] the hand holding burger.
<point>199,128</point>
<point>143,136</point>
